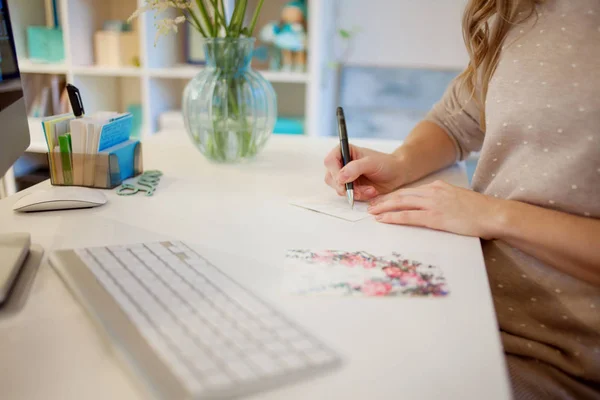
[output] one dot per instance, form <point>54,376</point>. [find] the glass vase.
<point>229,109</point>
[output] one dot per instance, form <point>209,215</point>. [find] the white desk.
<point>393,348</point>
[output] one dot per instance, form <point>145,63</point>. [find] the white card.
<point>335,206</point>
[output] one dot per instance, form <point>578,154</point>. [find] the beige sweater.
<point>541,146</point>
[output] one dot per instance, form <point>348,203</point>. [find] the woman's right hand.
<point>372,172</point>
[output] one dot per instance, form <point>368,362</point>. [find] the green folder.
<point>65,156</point>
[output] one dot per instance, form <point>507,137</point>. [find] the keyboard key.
<point>288,333</point>
<point>273,321</point>
<point>241,370</point>
<point>218,380</point>
<point>293,361</point>
<point>264,363</point>
<point>245,345</point>
<point>226,353</point>
<point>319,357</point>
<point>303,345</point>
<point>204,364</point>
<point>276,347</point>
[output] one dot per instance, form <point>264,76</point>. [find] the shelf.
<point>98,70</point>
<point>177,72</point>
<point>188,72</point>
<point>29,67</point>
<point>286,77</point>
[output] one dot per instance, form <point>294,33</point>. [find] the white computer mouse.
<point>60,198</point>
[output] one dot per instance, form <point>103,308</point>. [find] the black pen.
<point>345,149</point>
<point>75,99</point>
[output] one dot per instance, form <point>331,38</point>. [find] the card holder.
<point>104,170</point>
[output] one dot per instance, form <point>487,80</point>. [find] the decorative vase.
<point>229,109</point>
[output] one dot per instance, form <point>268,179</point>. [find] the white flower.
<point>160,6</point>
<point>166,25</point>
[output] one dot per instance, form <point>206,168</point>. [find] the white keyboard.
<point>188,329</point>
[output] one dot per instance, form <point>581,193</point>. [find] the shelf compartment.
<point>108,93</point>
<point>87,17</point>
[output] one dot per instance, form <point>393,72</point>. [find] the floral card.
<point>360,274</point>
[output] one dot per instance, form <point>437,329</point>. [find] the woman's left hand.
<point>440,206</point>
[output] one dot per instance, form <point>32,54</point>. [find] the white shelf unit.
<point>158,83</point>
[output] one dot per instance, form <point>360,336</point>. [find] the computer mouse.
<point>60,198</point>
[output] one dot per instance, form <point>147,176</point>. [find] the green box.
<point>45,44</point>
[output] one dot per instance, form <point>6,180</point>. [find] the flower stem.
<point>237,19</point>
<point>209,26</point>
<point>255,17</point>
<point>219,17</point>
<point>224,15</point>
<point>196,22</point>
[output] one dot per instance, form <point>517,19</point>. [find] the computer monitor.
<point>14,128</point>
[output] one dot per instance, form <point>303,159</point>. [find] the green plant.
<point>346,37</point>
<point>206,16</point>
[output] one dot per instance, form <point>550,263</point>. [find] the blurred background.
<point>385,61</point>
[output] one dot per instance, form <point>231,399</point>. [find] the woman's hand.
<point>441,206</point>
<point>372,172</point>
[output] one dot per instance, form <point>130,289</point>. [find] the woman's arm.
<point>567,242</point>
<point>427,149</point>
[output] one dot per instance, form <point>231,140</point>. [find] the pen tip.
<point>350,195</point>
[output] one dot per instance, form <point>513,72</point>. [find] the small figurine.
<point>289,35</point>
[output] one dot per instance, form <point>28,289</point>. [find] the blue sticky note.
<point>115,132</point>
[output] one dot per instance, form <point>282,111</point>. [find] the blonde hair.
<point>485,25</point>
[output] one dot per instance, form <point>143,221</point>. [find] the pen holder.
<point>104,170</point>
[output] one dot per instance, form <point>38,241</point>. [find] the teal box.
<point>45,44</point>
<point>290,126</point>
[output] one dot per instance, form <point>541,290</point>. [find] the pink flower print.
<point>370,288</point>
<point>352,260</point>
<point>369,264</point>
<point>320,259</point>
<point>393,272</point>
<point>412,279</point>
<point>347,261</point>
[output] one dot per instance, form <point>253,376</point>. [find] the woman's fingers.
<point>410,217</point>
<point>354,169</point>
<point>421,191</point>
<point>401,203</point>
<point>333,161</point>
<point>329,180</point>
<point>364,193</point>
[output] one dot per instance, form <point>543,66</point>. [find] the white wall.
<point>407,33</point>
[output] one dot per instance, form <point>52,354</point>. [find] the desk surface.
<point>412,348</point>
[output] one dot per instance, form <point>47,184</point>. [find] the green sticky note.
<point>65,156</point>
<point>68,135</point>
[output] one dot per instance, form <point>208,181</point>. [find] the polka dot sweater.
<point>541,145</point>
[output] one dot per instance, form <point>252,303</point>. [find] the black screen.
<point>10,79</point>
